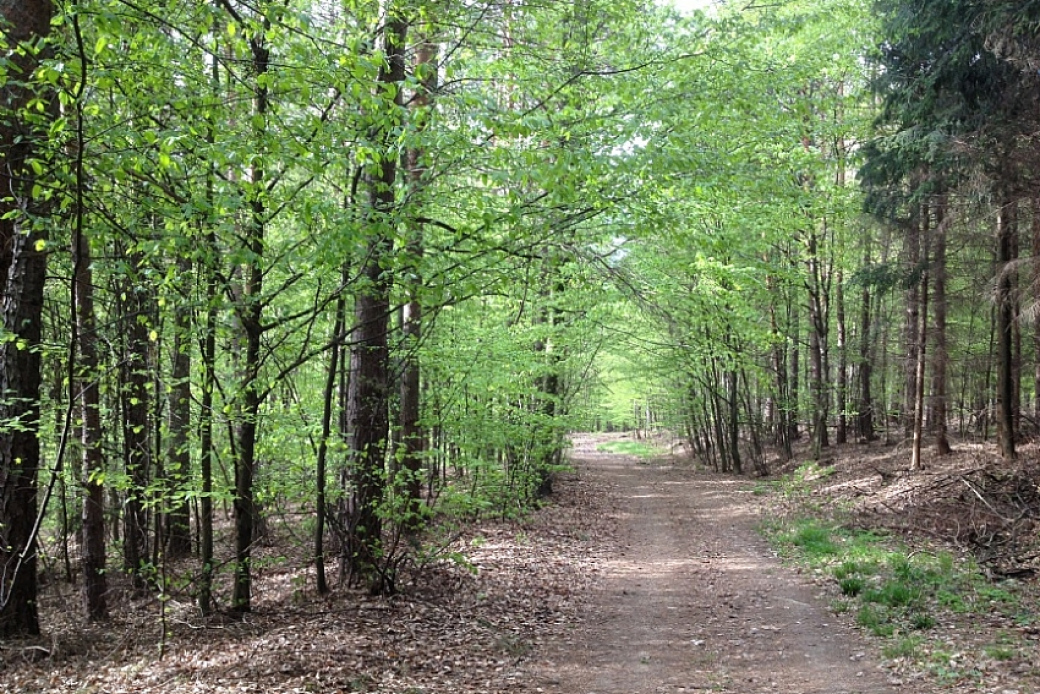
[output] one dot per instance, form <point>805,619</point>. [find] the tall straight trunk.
<point>817,347</point>
<point>1004,320</point>
<point>207,450</point>
<point>782,394</point>
<point>1035,291</point>
<point>1016,321</point>
<point>793,404</point>
<point>865,405</point>
<point>177,531</point>
<point>207,359</point>
<point>92,552</point>
<point>912,253</point>
<point>329,402</point>
<point>368,390</point>
<point>918,419</point>
<point>250,316</point>
<point>940,356</point>
<point>412,435</point>
<point>135,397</point>
<point>23,273</point>
<point>732,396</point>
<point>87,372</point>
<point>841,435</point>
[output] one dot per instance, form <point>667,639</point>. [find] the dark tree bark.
<point>95,582</point>
<point>250,316</point>
<point>178,456</point>
<point>865,406</point>
<point>135,399</point>
<point>940,356</point>
<point>1004,320</point>
<point>841,434</point>
<point>1035,251</point>
<point>912,252</point>
<point>917,421</point>
<point>368,390</point>
<point>23,271</point>
<point>817,346</point>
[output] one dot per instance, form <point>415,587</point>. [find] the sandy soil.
<point>694,599</point>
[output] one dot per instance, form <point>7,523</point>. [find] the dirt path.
<point>695,600</point>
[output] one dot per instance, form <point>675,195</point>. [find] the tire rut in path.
<point>694,600</point>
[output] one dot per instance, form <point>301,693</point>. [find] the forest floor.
<point>642,575</point>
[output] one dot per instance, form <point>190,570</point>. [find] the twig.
<point>984,500</point>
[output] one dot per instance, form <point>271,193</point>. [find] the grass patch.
<point>628,447</point>
<point>904,647</point>
<point>891,591</point>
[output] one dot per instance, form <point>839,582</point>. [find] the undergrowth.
<point>894,592</point>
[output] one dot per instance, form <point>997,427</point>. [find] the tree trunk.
<point>912,250</point>
<point>940,358</point>
<point>368,390</point>
<point>250,316</point>
<point>412,435</point>
<point>841,435</point>
<point>23,272</point>
<point>338,330</point>
<point>919,372</point>
<point>1035,251</point>
<point>177,533</point>
<point>1005,318</point>
<point>135,397</point>
<point>817,348</point>
<point>92,559</point>
<point>865,407</point>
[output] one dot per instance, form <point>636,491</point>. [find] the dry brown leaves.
<point>973,505</point>
<point>450,630</point>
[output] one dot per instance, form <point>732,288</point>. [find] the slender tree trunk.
<point>135,397</point>
<point>940,357</point>
<point>1005,318</point>
<point>338,333</point>
<point>817,348</point>
<point>918,428</point>
<point>178,457</point>
<point>1035,251</point>
<point>733,402</point>
<point>793,404</point>
<point>250,316</point>
<point>841,435</point>
<point>912,251</point>
<point>1016,322</point>
<point>412,435</point>
<point>865,408</point>
<point>95,582</point>
<point>208,359</point>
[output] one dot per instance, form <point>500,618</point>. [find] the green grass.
<point>903,647</point>
<point>628,447</point>
<point>892,592</point>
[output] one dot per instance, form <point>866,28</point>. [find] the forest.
<point>338,274</point>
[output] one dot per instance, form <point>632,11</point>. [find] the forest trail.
<point>696,601</point>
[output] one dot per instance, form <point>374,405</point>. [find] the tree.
<point>369,390</point>
<point>23,269</point>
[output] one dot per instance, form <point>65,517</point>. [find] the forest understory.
<point>505,599</point>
